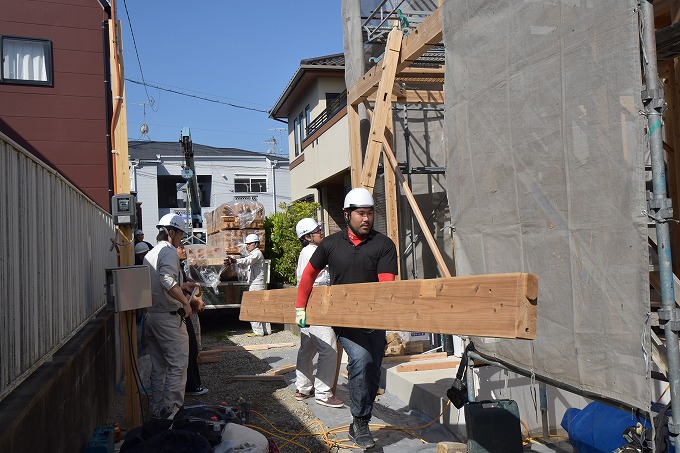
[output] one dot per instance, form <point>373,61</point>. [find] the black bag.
<point>207,411</point>
<point>457,394</point>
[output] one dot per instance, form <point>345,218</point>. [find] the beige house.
<point>315,106</point>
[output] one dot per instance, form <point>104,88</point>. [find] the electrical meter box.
<point>128,288</point>
<point>123,209</point>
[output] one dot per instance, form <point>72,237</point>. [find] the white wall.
<point>144,178</point>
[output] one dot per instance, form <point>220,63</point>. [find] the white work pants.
<point>315,339</point>
<point>259,328</point>
<point>168,344</point>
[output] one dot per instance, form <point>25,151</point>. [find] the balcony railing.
<point>329,112</point>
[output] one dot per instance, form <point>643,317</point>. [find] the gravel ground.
<point>274,400</point>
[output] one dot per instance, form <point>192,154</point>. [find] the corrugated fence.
<point>54,247</point>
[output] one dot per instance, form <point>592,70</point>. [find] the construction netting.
<point>545,174</point>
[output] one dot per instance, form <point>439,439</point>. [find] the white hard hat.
<point>172,220</point>
<point>141,247</point>
<point>252,238</point>
<point>358,198</point>
<point>306,226</point>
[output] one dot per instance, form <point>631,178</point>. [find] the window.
<point>308,113</point>
<point>297,137</point>
<point>26,61</point>
<point>330,97</point>
<point>250,184</point>
<point>301,120</point>
<point>171,191</point>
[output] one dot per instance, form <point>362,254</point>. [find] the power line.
<point>203,98</point>
<point>139,61</point>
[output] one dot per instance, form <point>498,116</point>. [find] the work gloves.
<point>301,317</point>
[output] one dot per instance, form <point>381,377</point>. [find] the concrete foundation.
<point>58,406</point>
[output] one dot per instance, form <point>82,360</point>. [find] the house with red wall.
<point>53,95</point>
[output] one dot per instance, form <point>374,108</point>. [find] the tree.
<point>284,246</point>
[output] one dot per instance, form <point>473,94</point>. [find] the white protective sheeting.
<point>545,174</point>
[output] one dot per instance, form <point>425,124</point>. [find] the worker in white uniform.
<point>315,339</point>
<point>253,262</point>
<point>166,336</point>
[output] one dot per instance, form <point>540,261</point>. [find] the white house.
<point>224,174</point>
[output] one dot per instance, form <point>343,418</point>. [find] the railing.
<point>55,247</point>
<point>338,104</point>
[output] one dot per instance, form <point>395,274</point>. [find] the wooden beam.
<point>419,41</point>
<point>495,305</point>
<point>414,358</point>
<point>415,96</point>
<point>383,109</point>
<point>443,365</point>
<point>394,165</point>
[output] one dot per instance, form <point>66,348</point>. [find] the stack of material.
<point>230,223</point>
<point>235,215</point>
<point>395,346</point>
<point>204,262</point>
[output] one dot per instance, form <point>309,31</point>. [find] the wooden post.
<point>391,200</point>
<point>125,237</point>
<point>355,154</point>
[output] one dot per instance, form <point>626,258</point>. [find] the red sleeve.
<point>305,285</point>
<point>386,277</point>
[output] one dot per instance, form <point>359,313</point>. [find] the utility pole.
<point>280,131</point>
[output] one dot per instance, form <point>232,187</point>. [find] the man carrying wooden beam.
<point>358,254</point>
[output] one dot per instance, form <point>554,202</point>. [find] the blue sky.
<point>242,53</point>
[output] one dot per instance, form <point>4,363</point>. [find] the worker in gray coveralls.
<point>166,335</point>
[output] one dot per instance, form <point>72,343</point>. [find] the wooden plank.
<point>394,165</point>
<point>250,347</point>
<point>209,359</point>
<point>258,377</point>
<point>383,109</point>
<point>418,41</point>
<point>444,365</point>
<point>493,305</point>
<point>284,370</point>
<point>415,358</point>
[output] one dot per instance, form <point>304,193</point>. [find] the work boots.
<point>360,434</point>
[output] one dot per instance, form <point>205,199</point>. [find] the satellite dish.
<point>144,129</point>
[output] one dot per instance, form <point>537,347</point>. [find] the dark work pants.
<point>193,377</point>
<point>365,351</point>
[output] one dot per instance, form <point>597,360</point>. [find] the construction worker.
<point>167,338</point>
<point>141,249</point>
<point>193,385</point>
<point>139,237</point>
<point>358,254</point>
<point>315,339</point>
<point>254,263</point>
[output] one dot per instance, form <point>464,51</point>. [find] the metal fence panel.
<point>54,247</point>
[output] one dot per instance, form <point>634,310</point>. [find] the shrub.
<point>283,246</point>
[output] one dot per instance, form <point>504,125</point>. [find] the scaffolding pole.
<point>660,209</point>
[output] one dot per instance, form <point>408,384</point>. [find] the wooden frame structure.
<point>499,306</point>
<point>378,86</point>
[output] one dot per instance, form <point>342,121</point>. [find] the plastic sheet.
<point>545,174</point>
